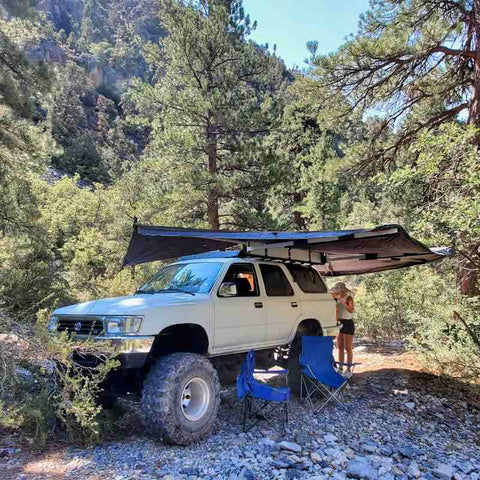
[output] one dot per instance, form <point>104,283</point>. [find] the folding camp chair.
<point>318,372</point>
<point>270,397</point>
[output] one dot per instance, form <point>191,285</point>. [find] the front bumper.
<point>132,351</point>
<point>130,344</point>
<point>331,331</point>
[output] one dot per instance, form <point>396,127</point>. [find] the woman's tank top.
<point>343,313</point>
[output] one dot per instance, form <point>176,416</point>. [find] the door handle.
<point>258,305</point>
<point>294,304</point>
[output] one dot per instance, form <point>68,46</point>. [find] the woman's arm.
<point>349,305</point>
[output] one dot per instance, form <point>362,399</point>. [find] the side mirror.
<point>227,289</point>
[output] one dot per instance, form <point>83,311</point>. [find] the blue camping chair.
<point>318,372</point>
<point>250,389</point>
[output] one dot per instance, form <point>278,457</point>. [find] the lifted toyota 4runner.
<point>192,323</point>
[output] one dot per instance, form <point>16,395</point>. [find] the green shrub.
<point>421,307</point>
<point>44,393</point>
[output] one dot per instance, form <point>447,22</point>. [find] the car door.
<point>281,305</point>
<point>240,321</point>
<point>314,298</point>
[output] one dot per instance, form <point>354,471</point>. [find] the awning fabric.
<point>333,253</point>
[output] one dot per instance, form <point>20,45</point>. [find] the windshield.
<point>185,277</point>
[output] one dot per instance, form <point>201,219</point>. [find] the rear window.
<point>276,283</point>
<point>307,279</point>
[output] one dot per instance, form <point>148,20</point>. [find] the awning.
<point>333,253</point>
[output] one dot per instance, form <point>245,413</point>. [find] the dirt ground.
<point>381,363</point>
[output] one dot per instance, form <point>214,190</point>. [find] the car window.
<point>276,283</point>
<point>244,278</point>
<point>307,279</point>
<point>187,277</point>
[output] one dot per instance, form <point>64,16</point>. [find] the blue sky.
<point>291,23</point>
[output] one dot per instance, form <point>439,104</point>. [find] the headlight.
<point>52,324</point>
<point>126,325</point>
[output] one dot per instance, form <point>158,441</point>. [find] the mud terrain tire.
<point>180,398</point>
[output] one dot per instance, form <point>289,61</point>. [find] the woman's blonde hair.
<point>340,287</point>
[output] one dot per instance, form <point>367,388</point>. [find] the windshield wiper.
<point>179,290</point>
<point>165,290</point>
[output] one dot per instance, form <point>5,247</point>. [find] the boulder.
<point>361,469</point>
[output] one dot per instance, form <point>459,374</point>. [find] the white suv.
<point>193,320</point>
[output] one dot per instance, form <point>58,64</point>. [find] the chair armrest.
<point>273,372</point>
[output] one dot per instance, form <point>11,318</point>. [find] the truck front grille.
<point>80,325</point>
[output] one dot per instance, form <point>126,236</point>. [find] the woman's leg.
<point>341,348</point>
<point>348,342</point>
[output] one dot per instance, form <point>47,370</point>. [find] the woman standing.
<point>345,309</point>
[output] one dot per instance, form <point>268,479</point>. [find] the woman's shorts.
<point>348,327</point>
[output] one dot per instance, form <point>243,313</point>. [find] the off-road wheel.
<point>180,398</point>
<point>293,364</point>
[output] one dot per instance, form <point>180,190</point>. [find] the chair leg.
<point>246,408</point>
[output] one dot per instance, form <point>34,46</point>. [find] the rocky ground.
<point>401,424</point>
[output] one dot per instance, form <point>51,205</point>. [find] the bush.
<point>394,305</point>
<point>43,392</point>
<point>420,306</point>
<point>450,343</point>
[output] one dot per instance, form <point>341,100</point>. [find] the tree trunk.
<point>467,271</point>
<point>212,200</point>
<point>297,215</point>
<point>468,259</point>
<point>474,109</point>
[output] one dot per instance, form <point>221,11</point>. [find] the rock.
<point>293,459</point>
<point>329,438</point>
<point>381,462</point>
<point>361,469</point>
<point>301,437</point>
<point>444,471</point>
<point>368,447</point>
<point>465,466</point>
<point>349,452</point>
<point>385,450</point>
<point>410,405</point>
<point>336,455</point>
<point>246,474</point>
<point>267,441</point>
<point>281,464</point>
<point>291,474</point>
<point>413,470</point>
<point>290,446</point>
<point>315,456</point>
<point>408,451</point>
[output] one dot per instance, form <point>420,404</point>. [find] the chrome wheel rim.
<point>195,399</point>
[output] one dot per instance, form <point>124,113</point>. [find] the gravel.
<point>377,438</point>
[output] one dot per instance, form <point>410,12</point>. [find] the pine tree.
<point>214,100</point>
<point>416,61</point>
<point>23,144</point>
<point>417,64</point>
